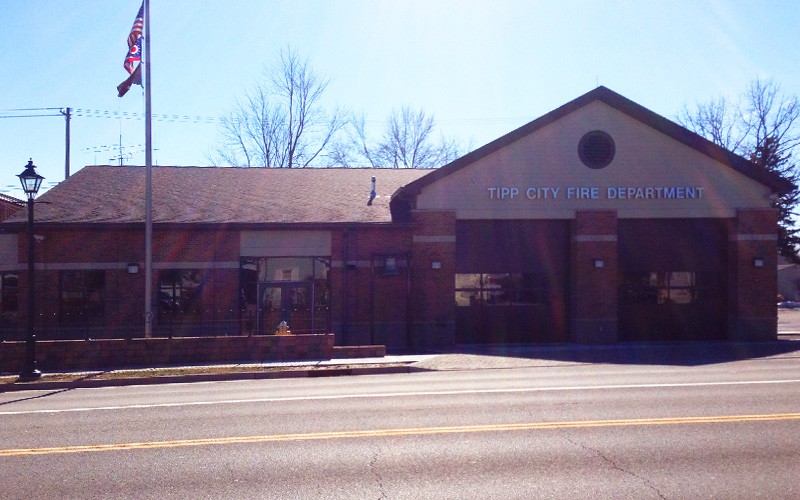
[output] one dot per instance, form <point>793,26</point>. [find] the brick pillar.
<point>433,280</point>
<point>594,277</point>
<point>753,271</point>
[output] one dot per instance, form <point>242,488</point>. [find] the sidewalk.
<point>207,373</point>
<point>474,357</point>
<point>464,358</point>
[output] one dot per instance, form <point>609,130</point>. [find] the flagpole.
<point>148,197</point>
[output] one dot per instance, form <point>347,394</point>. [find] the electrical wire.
<point>98,113</point>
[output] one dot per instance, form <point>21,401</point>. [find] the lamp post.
<point>31,181</point>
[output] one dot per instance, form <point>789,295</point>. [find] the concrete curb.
<point>309,372</point>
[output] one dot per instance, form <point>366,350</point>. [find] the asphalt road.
<point>689,430</point>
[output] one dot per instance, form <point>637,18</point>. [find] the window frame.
<point>178,303</point>
<point>87,293</point>
<point>500,289</point>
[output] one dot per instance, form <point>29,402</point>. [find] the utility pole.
<point>67,114</point>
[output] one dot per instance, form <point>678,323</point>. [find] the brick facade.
<point>213,253</point>
<point>433,286</point>
<point>753,257</point>
<point>371,304</point>
<point>594,277</point>
<point>409,306</point>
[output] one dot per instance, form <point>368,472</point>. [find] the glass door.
<point>291,302</point>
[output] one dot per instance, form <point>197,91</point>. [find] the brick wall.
<point>433,286</point>
<point>116,353</point>
<point>110,250</point>
<point>369,306</point>
<point>753,289</point>
<point>594,289</point>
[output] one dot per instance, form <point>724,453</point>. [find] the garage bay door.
<point>672,283</point>
<point>511,281</point>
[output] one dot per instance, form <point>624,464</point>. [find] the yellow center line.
<point>377,433</point>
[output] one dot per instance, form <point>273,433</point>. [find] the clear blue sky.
<point>482,68</point>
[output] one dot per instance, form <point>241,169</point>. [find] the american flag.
<point>135,41</point>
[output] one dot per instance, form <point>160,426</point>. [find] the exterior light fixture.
<point>758,262</point>
<point>31,182</point>
<point>390,266</point>
<point>598,263</point>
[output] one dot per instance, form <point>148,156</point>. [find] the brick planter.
<point>55,355</point>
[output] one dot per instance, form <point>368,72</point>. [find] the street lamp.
<point>31,181</point>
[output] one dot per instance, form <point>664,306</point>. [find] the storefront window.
<point>82,297</point>
<point>499,289</point>
<point>179,295</point>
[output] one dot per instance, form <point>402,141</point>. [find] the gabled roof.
<point>230,195</point>
<point>4,198</point>
<point>9,206</point>
<point>620,103</point>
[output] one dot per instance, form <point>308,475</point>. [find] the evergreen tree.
<point>763,126</point>
<point>769,155</point>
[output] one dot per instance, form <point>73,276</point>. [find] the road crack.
<point>616,466</point>
<point>376,473</point>
<point>373,464</point>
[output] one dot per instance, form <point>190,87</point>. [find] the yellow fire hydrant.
<point>283,329</point>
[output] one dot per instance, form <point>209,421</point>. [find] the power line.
<point>124,115</point>
<point>30,109</point>
<point>28,116</point>
<point>99,113</point>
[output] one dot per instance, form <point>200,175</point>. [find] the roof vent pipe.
<point>373,193</point>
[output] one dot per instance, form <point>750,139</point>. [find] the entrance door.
<point>288,301</point>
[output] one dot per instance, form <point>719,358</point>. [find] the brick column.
<point>433,280</point>
<point>594,271</point>
<point>753,271</point>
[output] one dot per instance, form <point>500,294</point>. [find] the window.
<point>660,287</point>
<point>179,292</point>
<point>499,289</point>
<point>596,149</point>
<point>82,297</point>
<point>9,298</point>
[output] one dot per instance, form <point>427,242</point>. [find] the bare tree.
<point>407,142</point>
<point>717,120</point>
<point>764,126</point>
<point>281,123</point>
<point>355,150</point>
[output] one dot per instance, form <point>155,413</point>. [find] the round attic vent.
<point>596,149</point>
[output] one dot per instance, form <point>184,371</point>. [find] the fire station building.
<point>598,222</point>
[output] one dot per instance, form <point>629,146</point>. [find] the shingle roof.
<point>11,200</point>
<point>107,194</point>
